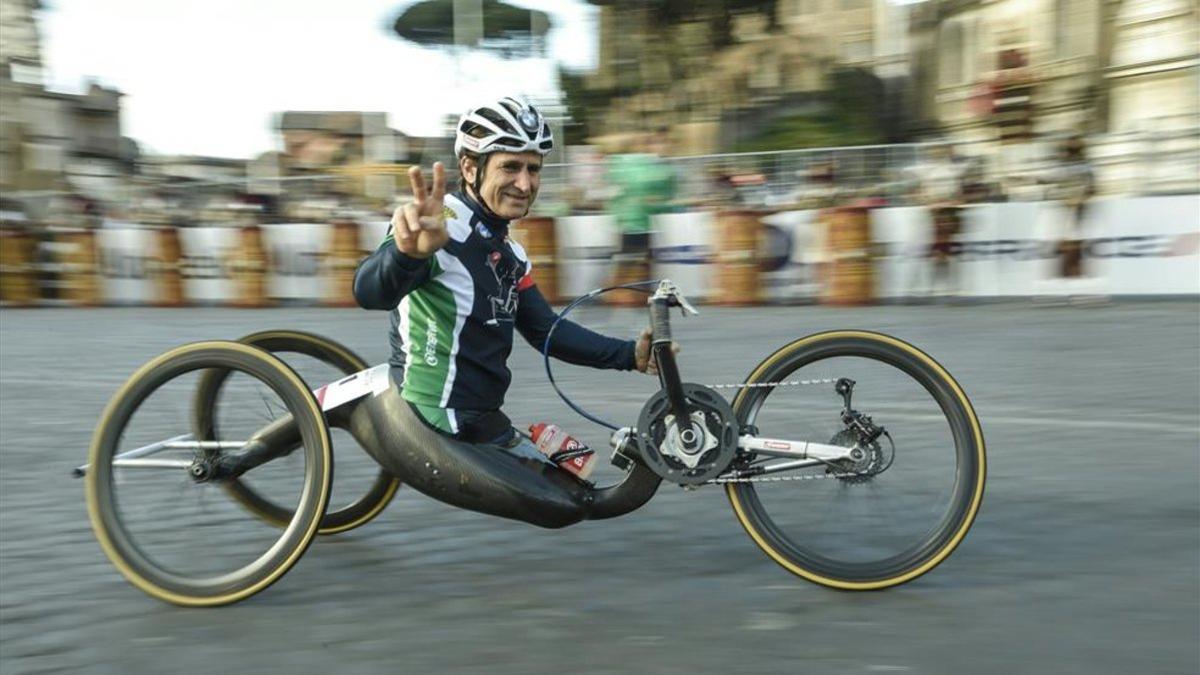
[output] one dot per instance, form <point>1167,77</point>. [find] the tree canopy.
<point>507,29</point>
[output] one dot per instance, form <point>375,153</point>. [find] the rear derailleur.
<point>867,458</point>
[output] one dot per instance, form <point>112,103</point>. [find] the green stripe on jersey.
<point>431,315</point>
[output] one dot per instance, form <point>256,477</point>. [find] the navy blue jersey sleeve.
<point>387,275</point>
<point>571,343</point>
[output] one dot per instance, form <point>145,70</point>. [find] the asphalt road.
<point>1085,557</point>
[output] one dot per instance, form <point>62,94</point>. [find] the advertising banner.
<point>586,245</point>
<point>682,248</point>
<point>1131,246</point>
<point>1148,245</point>
<point>126,264</point>
<point>206,253</point>
<point>295,259</point>
<point>793,246</point>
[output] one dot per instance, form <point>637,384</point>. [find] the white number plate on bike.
<point>370,381</point>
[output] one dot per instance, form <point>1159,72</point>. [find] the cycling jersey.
<point>453,314</point>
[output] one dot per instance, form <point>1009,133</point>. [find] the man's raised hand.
<point>420,225</point>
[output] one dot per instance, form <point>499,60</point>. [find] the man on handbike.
<point>456,285</point>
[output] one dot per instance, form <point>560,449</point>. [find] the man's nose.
<point>524,181</point>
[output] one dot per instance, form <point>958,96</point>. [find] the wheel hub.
<point>864,463</point>
<point>202,470</point>
<point>692,443</point>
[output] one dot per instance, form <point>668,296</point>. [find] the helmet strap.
<point>480,163</point>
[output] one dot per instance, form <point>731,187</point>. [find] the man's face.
<point>510,183</point>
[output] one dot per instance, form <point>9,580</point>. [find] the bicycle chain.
<point>760,385</point>
<point>775,479</point>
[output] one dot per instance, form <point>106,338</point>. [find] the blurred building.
<point>713,86</point>
<point>1153,72</point>
<point>19,38</point>
<point>1009,70</point>
<point>324,139</point>
<point>179,187</point>
<point>678,76</point>
<point>871,34</point>
<point>53,140</point>
<point>357,145</point>
<point>192,169</point>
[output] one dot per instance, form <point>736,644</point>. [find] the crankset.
<point>695,451</point>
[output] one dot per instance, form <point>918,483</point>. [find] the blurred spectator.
<point>644,186</point>
<point>586,190</point>
<point>940,190</point>
<point>1073,184</point>
<point>818,190</point>
<point>721,191</point>
<point>976,188</point>
<point>82,212</point>
<point>751,189</point>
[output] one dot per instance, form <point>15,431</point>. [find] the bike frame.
<point>275,440</point>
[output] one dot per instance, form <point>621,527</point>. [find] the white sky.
<point>206,76</point>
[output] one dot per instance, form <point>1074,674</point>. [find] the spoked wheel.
<point>318,361</point>
<point>152,490</point>
<point>899,511</point>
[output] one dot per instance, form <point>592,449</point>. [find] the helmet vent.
<point>510,107</point>
<point>473,130</point>
<point>495,118</point>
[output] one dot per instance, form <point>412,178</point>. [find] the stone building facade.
<point>1086,66</point>
<point>50,140</point>
<point>676,76</point>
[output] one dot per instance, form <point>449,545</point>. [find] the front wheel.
<point>905,507</point>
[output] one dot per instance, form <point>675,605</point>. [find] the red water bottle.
<point>568,453</point>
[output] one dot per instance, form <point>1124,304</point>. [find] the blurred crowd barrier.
<point>1141,163</point>
<point>856,253</point>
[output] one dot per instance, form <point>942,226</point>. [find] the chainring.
<point>719,423</point>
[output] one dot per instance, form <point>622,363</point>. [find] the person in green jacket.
<point>644,186</point>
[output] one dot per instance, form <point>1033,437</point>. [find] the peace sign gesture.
<point>420,226</point>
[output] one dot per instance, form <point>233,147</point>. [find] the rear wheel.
<point>150,487</point>
<point>889,518</point>
<point>318,360</point>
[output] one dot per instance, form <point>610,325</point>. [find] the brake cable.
<point>592,295</point>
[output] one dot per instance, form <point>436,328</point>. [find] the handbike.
<point>851,458</point>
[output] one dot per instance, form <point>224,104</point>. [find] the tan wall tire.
<point>123,549</point>
<point>969,475</point>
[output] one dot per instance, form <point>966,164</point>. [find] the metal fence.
<point>1135,163</point>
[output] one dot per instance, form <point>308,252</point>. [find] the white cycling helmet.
<point>506,125</point>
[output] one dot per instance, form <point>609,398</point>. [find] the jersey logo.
<point>504,302</point>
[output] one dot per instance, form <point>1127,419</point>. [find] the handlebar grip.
<point>660,319</point>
